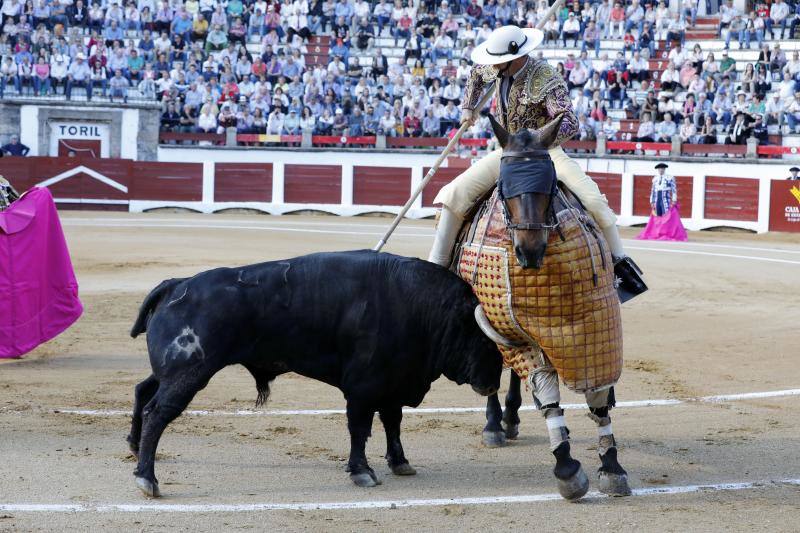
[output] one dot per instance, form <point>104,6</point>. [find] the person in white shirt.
<point>678,56</point>
<point>687,131</point>
<point>610,129</point>
<point>786,89</point>
<point>774,110</point>
<point>778,16</point>
<point>275,122</point>
<point>662,21</point>
<point>793,66</point>
<point>602,16</point>
<point>646,129</point>
<point>571,30</point>
<point>79,75</point>
<point>726,15</point>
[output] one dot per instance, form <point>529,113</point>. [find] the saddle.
<point>564,315</point>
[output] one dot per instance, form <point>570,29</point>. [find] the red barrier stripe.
<point>332,139</point>
<point>416,141</point>
<point>631,145</point>
<point>778,150</point>
<point>474,142</point>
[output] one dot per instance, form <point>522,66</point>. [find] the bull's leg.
<point>143,393</point>
<point>570,477</point>
<point>359,422</point>
<point>493,436</point>
<point>612,478</point>
<point>168,403</point>
<point>391,419</point>
<point>513,403</point>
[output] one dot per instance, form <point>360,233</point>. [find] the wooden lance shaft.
<point>454,141</point>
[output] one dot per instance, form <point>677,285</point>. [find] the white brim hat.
<point>506,44</point>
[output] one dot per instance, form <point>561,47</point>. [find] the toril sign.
<point>74,130</point>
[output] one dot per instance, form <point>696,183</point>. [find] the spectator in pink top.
<point>617,20</point>
<point>41,77</point>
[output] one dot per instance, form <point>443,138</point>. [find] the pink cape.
<point>37,283</point>
<point>664,228</point>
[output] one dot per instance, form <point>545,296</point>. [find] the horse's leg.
<point>513,403</point>
<point>493,435</point>
<point>143,393</point>
<point>612,478</point>
<point>391,419</point>
<point>571,479</point>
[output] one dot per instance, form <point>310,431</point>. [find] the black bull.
<point>379,327</point>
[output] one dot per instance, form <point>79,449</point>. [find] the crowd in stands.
<point>216,64</point>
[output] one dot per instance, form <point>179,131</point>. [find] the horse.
<point>563,269</point>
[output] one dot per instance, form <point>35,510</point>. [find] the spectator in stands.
<point>687,131</point>
<point>701,108</point>
<point>578,77</point>
<point>79,75</point>
<point>726,15</point>
<point>647,41</point>
<point>171,118</point>
<point>634,17</point>
<point>571,30</point>
<point>666,129</point>
<point>24,75</point>
<point>662,22</point>
<point>778,59</point>
<point>670,78</point>
<point>118,87</point>
<point>14,148</point>
<point>41,77</point>
<point>591,37</point>
<point>792,114</point>
<point>740,131</point>
<point>585,129</point>
<point>778,17</point>
<point>690,10</point>
<point>217,40</point>
<point>431,125</point>
<point>774,110</point>
<point>727,66</point>
<point>552,30</point>
<point>753,28</point>
<point>646,129</point>
<point>708,132</point>
<point>616,21</point>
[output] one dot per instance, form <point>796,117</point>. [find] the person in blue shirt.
<point>182,24</point>
<point>15,147</point>
<point>113,33</point>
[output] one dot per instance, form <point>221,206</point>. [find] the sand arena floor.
<point>720,319</point>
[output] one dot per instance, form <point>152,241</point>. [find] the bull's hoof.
<point>403,469</point>
<point>365,479</point>
<point>133,447</point>
<point>511,430</point>
<point>493,439</point>
<point>148,488</point>
<point>613,484</point>
<point>575,486</point>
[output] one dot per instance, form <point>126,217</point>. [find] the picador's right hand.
<point>467,117</point>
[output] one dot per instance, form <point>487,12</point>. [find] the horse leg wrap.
<point>446,234</point>
<point>556,426</point>
<point>604,432</point>
<point>545,387</point>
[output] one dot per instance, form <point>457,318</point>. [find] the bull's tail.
<point>150,303</point>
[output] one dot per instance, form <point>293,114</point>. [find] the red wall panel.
<point>180,182</point>
<point>611,185</point>
<point>26,172</point>
<point>731,198</point>
<point>243,182</point>
<point>784,206</point>
<point>381,185</point>
<point>641,194</point>
<point>312,184</point>
<point>442,177</point>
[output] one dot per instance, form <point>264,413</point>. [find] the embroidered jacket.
<point>537,95</point>
<point>665,190</point>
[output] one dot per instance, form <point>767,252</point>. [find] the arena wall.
<point>748,195</point>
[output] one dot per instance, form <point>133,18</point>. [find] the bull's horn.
<point>489,331</point>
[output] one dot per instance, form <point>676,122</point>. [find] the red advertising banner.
<point>784,206</point>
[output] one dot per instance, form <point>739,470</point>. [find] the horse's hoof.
<point>511,430</point>
<point>404,469</point>
<point>365,479</point>
<point>575,486</point>
<point>494,439</point>
<point>148,488</point>
<point>613,484</point>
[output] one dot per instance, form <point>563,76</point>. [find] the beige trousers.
<point>461,194</point>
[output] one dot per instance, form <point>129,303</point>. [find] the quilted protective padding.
<point>576,324</point>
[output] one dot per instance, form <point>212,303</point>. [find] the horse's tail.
<point>150,304</point>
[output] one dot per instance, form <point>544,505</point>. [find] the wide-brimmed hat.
<point>662,165</point>
<point>506,44</point>
<point>794,169</point>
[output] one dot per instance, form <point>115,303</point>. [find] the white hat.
<point>80,56</point>
<point>506,44</point>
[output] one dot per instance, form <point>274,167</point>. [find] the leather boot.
<point>446,234</point>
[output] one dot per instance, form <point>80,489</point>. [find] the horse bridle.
<point>552,222</point>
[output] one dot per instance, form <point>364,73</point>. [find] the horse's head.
<point>527,187</point>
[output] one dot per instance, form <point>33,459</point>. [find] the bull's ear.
<point>499,131</point>
<point>547,134</point>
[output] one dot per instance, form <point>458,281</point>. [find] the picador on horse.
<point>554,312</point>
